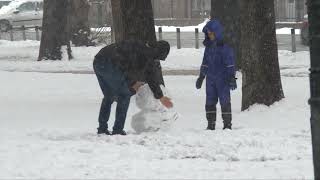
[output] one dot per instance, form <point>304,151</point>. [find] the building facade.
<point>191,12</point>
<point>290,10</point>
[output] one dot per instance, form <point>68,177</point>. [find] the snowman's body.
<point>153,115</point>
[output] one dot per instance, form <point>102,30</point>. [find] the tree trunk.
<point>259,52</point>
<point>80,29</point>
<point>117,20</point>
<point>228,12</point>
<point>55,31</point>
<point>314,34</point>
<point>133,19</point>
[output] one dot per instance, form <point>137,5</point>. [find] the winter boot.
<point>122,133</point>
<point>103,131</point>
<point>226,116</point>
<point>211,117</point>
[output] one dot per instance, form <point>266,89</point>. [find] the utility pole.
<point>314,34</point>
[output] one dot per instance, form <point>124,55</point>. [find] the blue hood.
<point>216,27</point>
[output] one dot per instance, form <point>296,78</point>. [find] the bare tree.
<point>55,30</point>
<point>259,52</point>
<point>228,12</point>
<point>133,19</point>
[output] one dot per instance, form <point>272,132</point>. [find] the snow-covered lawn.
<point>48,125</point>
<point>48,121</point>
<point>22,56</point>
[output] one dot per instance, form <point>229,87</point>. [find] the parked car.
<point>305,31</point>
<point>4,3</point>
<point>21,13</point>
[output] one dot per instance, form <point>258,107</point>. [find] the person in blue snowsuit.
<point>218,68</point>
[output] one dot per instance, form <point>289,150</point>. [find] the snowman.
<point>153,116</point>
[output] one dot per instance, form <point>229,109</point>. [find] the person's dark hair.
<point>162,49</point>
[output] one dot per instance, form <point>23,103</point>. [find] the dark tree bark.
<point>79,16</point>
<point>55,30</point>
<point>314,34</point>
<point>261,74</point>
<point>117,20</point>
<point>133,19</point>
<point>228,12</point>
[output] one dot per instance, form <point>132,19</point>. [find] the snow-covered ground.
<point>48,124</point>
<point>286,30</point>
<point>22,56</point>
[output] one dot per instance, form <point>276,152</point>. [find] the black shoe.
<point>227,126</point>
<point>103,131</point>
<point>226,116</point>
<point>211,117</point>
<point>122,133</point>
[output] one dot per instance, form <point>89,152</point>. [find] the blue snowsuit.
<point>218,67</point>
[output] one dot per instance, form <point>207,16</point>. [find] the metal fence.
<point>22,34</point>
<point>101,35</point>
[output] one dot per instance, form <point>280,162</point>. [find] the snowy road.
<point>48,121</point>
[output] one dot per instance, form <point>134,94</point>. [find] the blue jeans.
<point>115,88</point>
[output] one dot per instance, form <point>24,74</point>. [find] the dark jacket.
<point>136,60</point>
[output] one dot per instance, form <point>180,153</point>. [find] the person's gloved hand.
<point>199,81</point>
<point>233,83</point>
